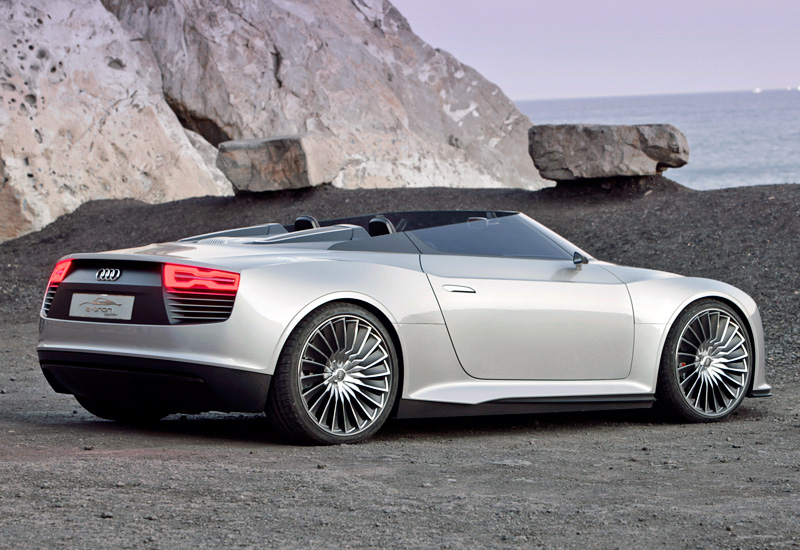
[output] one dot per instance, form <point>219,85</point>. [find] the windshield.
<point>510,236</point>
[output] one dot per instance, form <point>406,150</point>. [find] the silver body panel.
<point>530,319</point>
<point>506,328</point>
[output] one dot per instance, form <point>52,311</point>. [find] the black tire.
<point>121,413</point>
<point>339,350</point>
<point>706,365</point>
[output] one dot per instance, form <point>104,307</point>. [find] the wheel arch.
<point>390,327</point>
<point>738,308</point>
<point>371,305</point>
<point>740,311</point>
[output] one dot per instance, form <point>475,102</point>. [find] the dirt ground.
<point>596,480</point>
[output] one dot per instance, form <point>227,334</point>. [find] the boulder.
<point>581,151</point>
<point>83,117</point>
<point>290,162</point>
<point>391,110</point>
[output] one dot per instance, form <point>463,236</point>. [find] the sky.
<point>547,49</point>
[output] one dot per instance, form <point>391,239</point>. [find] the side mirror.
<point>579,259</point>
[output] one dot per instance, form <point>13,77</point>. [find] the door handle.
<point>459,288</point>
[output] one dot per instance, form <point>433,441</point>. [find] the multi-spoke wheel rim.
<point>713,362</point>
<point>345,375</point>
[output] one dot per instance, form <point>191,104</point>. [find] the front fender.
<point>660,301</point>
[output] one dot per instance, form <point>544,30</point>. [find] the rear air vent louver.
<point>48,299</point>
<point>199,307</point>
<point>214,241</point>
<point>197,294</point>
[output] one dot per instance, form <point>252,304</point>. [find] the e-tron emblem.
<point>108,274</point>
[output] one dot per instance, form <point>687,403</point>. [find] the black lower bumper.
<point>173,386</point>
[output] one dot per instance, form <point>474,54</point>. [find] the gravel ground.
<point>602,480</point>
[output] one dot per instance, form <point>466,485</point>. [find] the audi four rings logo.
<point>108,274</point>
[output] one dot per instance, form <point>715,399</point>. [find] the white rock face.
<point>82,117</point>
<point>565,152</point>
<point>395,111</point>
<point>209,155</point>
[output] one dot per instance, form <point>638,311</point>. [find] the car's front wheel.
<point>706,364</point>
<point>337,377</point>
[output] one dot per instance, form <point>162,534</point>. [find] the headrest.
<point>380,226</point>
<point>305,222</point>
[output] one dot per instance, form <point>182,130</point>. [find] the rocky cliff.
<point>82,116</point>
<point>96,105</point>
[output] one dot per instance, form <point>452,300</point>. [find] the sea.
<point>735,138</point>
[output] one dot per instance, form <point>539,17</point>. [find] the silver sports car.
<point>332,327</point>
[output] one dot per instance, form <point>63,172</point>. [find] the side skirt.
<point>411,408</point>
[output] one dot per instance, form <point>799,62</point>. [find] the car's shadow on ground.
<point>256,429</point>
<point>551,422</point>
<point>211,427</point>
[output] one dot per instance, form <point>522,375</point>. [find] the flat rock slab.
<point>564,152</point>
<point>272,164</point>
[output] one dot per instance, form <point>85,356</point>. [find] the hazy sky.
<point>538,49</point>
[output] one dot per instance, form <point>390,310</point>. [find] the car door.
<point>526,318</point>
<point>513,318</point>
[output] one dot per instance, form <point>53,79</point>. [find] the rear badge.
<point>102,306</point>
<point>108,274</point>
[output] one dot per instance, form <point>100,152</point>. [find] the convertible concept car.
<point>332,327</point>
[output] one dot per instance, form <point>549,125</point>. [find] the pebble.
<point>106,515</point>
<point>511,463</point>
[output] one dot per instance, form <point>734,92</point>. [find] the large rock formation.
<point>103,103</point>
<point>581,151</point>
<point>83,117</point>
<point>350,73</point>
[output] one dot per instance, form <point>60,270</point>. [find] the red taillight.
<point>60,272</point>
<point>183,278</point>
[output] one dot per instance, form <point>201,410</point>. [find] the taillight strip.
<point>182,278</point>
<point>60,272</point>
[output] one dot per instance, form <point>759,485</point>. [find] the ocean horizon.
<point>735,138</point>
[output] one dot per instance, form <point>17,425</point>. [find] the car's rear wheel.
<point>336,379</point>
<point>706,364</point>
<point>128,414</point>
